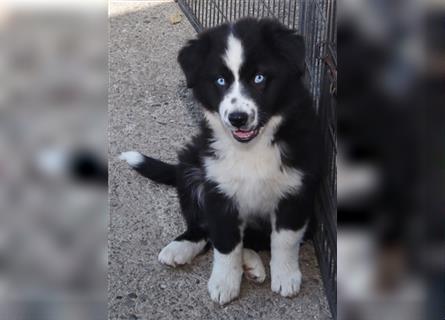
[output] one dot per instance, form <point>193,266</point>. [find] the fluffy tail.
<point>153,169</point>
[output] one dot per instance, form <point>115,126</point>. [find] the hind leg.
<point>183,249</point>
<point>253,266</point>
<point>192,242</point>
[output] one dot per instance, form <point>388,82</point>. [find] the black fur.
<point>279,53</point>
<point>157,171</point>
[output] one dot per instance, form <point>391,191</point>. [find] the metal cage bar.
<point>315,20</point>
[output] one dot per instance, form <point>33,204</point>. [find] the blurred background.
<point>391,159</point>
<point>53,144</point>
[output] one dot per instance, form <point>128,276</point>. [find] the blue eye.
<point>259,78</point>
<point>221,81</point>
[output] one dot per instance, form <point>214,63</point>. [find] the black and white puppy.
<point>247,180</point>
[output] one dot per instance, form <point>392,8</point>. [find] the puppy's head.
<point>244,73</point>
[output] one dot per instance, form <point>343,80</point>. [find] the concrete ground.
<point>151,110</point>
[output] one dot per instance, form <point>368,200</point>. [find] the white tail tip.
<point>133,158</point>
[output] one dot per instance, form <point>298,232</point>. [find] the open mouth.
<point>244,136</point>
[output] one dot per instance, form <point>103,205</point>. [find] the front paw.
<point>286,280</point>
<point>223,288</point>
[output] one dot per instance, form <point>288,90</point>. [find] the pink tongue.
<point>243,134</point>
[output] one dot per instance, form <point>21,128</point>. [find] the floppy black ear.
<point>294,51</point>
<point>288,44</point>
<point>191,58</point>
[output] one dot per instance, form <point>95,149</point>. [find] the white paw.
<point>224,287</point>
<point>284,267</point>
<point>225,281</point>
<point>286,279</point>
<point>180,252</point>
<point>253,266</point>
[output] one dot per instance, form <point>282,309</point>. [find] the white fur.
<point>234,55</point>
<point>180,252</point>
<point>133,158</point>
<point>253,266</point>
<point>225,281</point>
<point>284,265</point>
<point>250,173</point>
<point>234,58</point>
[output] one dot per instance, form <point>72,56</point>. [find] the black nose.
<point>238,119</point>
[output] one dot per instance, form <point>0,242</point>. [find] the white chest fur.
<point>252,174</point>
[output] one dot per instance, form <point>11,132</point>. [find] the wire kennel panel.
<point>315,20</point>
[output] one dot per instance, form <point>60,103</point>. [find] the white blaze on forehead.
<point>234,98</point>
<point>233,57</point>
